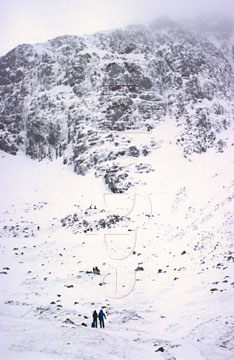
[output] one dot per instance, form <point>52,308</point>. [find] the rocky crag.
<point>81,98</point>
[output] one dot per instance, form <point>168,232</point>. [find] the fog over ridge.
<point>29,21</point>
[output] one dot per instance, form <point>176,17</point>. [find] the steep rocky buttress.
<point>79,97</point>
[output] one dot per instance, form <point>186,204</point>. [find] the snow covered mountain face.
<point>79,97</point>
<point>150,112</point>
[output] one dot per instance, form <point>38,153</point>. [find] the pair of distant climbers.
<point>90,207</point>
<point>96,270</point>
<point>101,317</point>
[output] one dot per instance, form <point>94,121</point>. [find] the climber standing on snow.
<point>95,315</point>
<point>101,317</point>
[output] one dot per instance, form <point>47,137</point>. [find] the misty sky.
<point>31,21</point>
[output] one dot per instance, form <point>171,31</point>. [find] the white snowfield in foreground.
<point>180,235</point>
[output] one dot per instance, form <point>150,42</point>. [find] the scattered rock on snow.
<point>69,321</point>
<point>160,349</point>
<point>139,268</point>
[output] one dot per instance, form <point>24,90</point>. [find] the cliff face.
<point>80,98</point>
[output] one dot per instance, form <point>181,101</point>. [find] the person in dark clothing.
<point>96,270</point>
<point>101,317</point>
<point>95,315</point>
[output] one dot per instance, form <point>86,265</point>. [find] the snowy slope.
<point>175,226</point>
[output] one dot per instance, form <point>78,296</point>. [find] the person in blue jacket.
<point>101,317</point>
